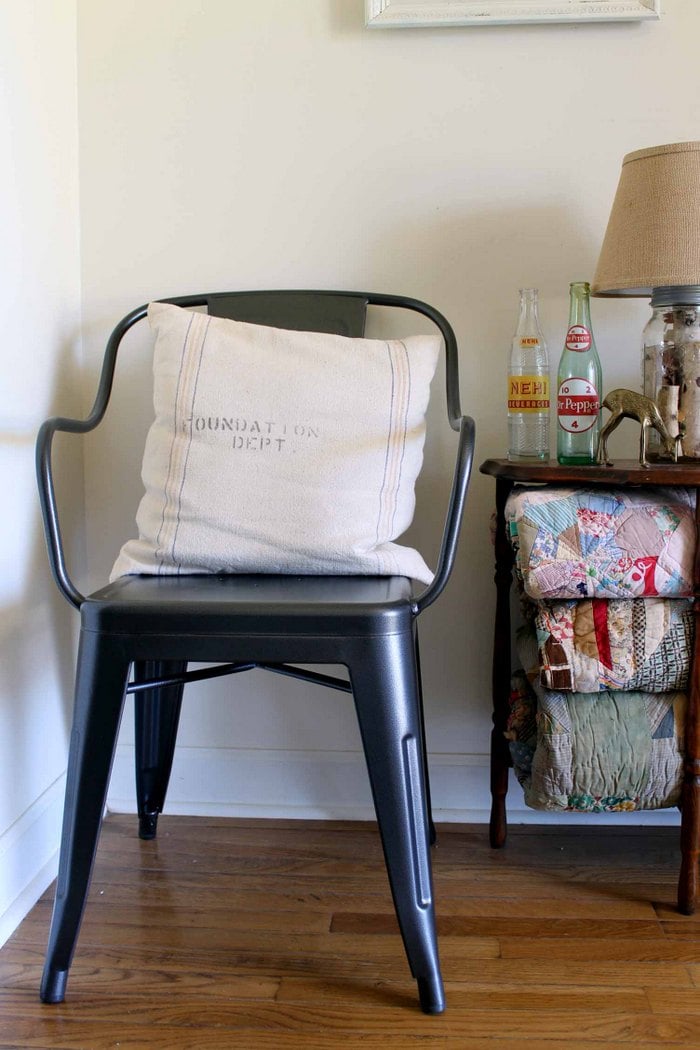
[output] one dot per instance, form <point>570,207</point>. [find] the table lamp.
<point>652,248</point>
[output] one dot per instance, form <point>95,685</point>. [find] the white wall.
<point>40,350</point>
<point>281,144</point>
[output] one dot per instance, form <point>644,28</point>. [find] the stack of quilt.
<point>597,712</point>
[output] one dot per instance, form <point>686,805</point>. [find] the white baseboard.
<point>29,857</point>
<point>331,785</point>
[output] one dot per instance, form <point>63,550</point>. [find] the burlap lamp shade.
<point>653,235</point>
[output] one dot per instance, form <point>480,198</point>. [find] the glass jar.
<point>671,366</point>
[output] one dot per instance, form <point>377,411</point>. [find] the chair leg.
<point>156,717</point>
<point>385,687</point>
<point>432,833</point>
<point>99,697</point>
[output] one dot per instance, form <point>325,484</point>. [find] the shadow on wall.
<point>36,637</point>
<point>37,628</point>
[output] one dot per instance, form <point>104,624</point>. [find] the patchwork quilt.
<point>575,543</point>
<point>596,752</point>
<point>593,645</point>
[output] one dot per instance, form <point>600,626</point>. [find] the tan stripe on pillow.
<point>182,437</point>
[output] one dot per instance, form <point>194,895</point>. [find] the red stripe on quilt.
<point>600,623</point>
<point>648,565</point>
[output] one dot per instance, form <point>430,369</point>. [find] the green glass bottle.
<point>579,384</point>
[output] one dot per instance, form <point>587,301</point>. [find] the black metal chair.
<point>155,624</point>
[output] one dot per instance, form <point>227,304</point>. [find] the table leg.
<point>690,800</point>
<point>500,754</point>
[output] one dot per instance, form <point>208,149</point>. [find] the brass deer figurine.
<point>628,404</point>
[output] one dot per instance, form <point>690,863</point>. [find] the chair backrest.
<point>322,311</point>
<point>342,313</point>
<point>339,314</point>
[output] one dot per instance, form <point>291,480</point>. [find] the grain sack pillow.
<point>279,452</point>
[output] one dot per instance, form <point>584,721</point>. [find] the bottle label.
<point>526,342</point>
<point>528,393</point>
<point>578,405</point>
<point>578,339</point>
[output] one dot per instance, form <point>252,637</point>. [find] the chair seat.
<point>245,604</point>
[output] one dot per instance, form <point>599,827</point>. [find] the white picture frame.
<point>403,14</point>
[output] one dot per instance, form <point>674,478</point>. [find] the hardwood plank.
<point>477,995</point>
<point>142,976</point>
<point>387,1012</point>
<point>101,967</point>
<point>289,947</point>
<point>594,949</point>
<point>298,920</point>
<point>71,1036</point>
<point>676,930</point>
<point>221,920</point>
<point>206,891</point>
<point>674,1001</point>
<point>463,882</point>
<point>495,926</point>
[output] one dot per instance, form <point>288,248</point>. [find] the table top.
<point>623,472</point>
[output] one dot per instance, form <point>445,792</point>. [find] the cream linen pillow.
<point>279,452</point>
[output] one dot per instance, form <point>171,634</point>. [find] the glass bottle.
<point>579,383</point>
<point>528,385</point>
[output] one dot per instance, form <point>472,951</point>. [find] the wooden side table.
<point>623,473</point>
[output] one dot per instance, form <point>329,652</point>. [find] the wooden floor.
<point>250,934</point>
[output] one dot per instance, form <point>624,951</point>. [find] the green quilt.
<point>596,752</point>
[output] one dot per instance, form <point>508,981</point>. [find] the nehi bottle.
<point>528,385</point>
<point>579,383</point>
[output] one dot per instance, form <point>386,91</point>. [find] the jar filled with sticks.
<point>671,370</point>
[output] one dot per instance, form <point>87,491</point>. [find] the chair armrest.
<point>44,473</point>
<point>47,498</point>
<point>453,522</point>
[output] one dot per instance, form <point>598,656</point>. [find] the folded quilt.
<point>596,752</point>
<point>603,543</point>
<point>592,645</point>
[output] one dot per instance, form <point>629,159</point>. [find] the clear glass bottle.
<point>528,385</point>
<point>579,384</point>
